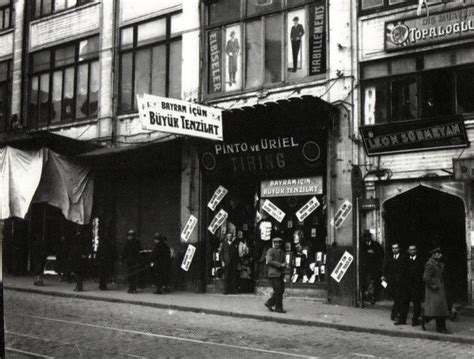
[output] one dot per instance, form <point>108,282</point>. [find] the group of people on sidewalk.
<point>409,280</point>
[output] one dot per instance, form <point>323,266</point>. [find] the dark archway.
<point>426,217</point>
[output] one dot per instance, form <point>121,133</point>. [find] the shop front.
<point>269,179</point>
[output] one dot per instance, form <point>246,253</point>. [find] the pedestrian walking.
<point>371,262</point>
<point>78,259</point>
<point>395,276</point>
<point>229,255</point>
<point>131,258</point>
<point>106,256</point>
<point>161,263</point>
<point>436,305</point>
<point>276,271</point>
<point>414,287</point>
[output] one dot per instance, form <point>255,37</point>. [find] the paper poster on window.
<point>342,266</point>
<point>265,230</point>
<point>317,39</point>
<point>188,257</point>
<point>369,105</point>
<point>233,55</point>
<point>215,61</point>
<point>307,209</point>
<point>297,44</point>
<point>273,210</point>
<point>341,214</point>
<point>217,197</point>
<point>217,221</point>
<point>188,228</point>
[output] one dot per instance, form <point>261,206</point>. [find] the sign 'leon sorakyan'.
<point>179,117</point>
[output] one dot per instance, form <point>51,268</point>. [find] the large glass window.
<point>150,60</point>
<point>5,85</point>
<point>376,5</point>
<point>46,7</point>
<point>274,41</point>
<point>6,13</point>
<point>64,83</point>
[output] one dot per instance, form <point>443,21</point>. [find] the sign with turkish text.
<point>188,228</point>
<point>341,267</point>
<point>411,136</point>
<point>317,38</point>
<point>215,61</point>
<point>341,214</point>
<point>188,257</point>
<point>217,197</point>
<point>426,30</point>
<point>273,210</point>
<point>307,209</point>
<point>179,117</point>
<point>217,221</point>
<point>292,187</point>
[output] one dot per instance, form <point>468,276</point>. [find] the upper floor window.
<point>64,83</point>
<point>46,7</point>
<point>6,14</point>
<point>150,60</point>
<point>5,98</point>
<point>366,6</point>
<point>258,43</point>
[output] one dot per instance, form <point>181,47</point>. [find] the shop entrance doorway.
<point>427,217</point>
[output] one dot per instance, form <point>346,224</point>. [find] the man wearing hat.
<point>371,262</point>
<point>296,33</point>
<point>435,294</point>
<point>161,262</point>
<point>276,272</point>
<point>131,257</point>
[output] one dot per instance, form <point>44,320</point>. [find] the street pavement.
<point>44,326</point>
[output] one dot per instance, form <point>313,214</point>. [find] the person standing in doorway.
<point>296,33</point>
<point>436,305</point>
<point>106,255</point>
<point>229,254</point>
<point>414,287</point>
<point>232,50</point>
<point>78,258</point>
<point>276,272</point>
<point>131,257</point>
<point>161,262</point>
<point>395,276</point>
<point>371,260</point>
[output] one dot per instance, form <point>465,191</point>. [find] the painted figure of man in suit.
<point>232,50</point>
<point>296,33</point>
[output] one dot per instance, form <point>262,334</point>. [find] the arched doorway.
<point>428,217</point>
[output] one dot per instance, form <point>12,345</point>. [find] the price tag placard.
<point>188,228</point>
<point>217,221</point>
<point>217,197</point>
<point>273,210</point>
<point>188,257</point>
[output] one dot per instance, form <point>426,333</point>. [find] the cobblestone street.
<point>75,328</point>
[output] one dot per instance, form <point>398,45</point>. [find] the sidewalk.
<point>300,312</point>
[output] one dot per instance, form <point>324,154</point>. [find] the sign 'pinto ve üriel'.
<point>180,117</point>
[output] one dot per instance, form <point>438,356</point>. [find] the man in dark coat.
<point>296,33</point>
<point>161,262</point>
<point>229,255</point>
<point>414,286</point>
<point>435,294</point>
<point>276,271</point>
<point>232,50</point>
<point>395,276</point>
<point>131,257</point>
<point>106,256</point>
<point>371,260</point>
<point>79,252</point>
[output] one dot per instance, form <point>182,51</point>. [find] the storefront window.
<point>438,93</point>
<point>465,90</point>
<point>404,99</point>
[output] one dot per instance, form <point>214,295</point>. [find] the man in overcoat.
<point>229,255</point>
<point>371,263</point>
<point>395,276</point>
<point>276,271</point>
<point>414,286</point>
<point>161,262</point>
<point>131,257</point>
<point>435,294</point>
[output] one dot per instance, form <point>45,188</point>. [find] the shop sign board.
<point>292,187</point>
<point>411,136</point>
<point>463,169</point>
<point>307,209</point>
<point>188,228</point>
<point>369,204</point>
<point>317,38</point>
<point>273,210</point>
<point>426,30</point>
<point>179,117</point>
<point>188,257</point>
<point>341,214</point>
<point>342,266</point>
<point>217,221</point>
<point>217,197</point>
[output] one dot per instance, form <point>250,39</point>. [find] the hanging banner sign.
<point>342,266</point>
<point>307,209</point>
<point>292,187</point>
<point>273,210</point>
<point>317,39</point>
<point>217,221</point>
<point>188,257</point>
<point>436,28</point>
<point>341,214</point>
<point>188,228</point>
<point>217,197</point>
<point>179,117</point>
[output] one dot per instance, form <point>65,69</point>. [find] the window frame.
<point>51,70</point>
<point>7,97</point>
<point>135,47</point>
<point>52,11</point>
<point>10,16</point>
<point>384,7</point>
